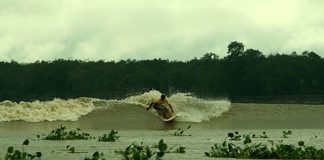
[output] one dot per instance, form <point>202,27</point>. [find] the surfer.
<point>158,105</point>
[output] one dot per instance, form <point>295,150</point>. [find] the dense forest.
<point>243,72</point>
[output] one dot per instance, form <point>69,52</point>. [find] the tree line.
<point>243,72</point>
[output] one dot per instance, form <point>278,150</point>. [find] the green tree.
<point>235,49</point>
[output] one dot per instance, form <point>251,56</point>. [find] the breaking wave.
<point>37,111</point>
<point>187,107</point>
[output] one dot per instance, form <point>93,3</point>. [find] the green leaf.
<point>247,140</point>
<point>38,154</point>
<point>24,155</point>
<point>160,154</point>
<point>301,143</point>
<point>231,135</point>
<point>162,146</point>
<point>10,149</point>
<point>26,142</point>
<point>96,154</point>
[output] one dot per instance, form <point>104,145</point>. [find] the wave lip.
<point>57,109</point>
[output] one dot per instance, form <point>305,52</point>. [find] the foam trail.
<point>187,107</point>
<point>37,111</point>
<point>192,109</point>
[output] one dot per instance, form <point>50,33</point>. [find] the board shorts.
<point>160,107</point>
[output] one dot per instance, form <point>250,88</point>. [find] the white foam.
<point>37,111</point>
<point>144,99</point>
<point>192,109</point>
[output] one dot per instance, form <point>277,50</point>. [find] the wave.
<point>37,111</point>
<point>187,107</point>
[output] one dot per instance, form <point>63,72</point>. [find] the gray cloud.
<point>178,30</point>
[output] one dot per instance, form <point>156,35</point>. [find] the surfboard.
<point>170,119</point>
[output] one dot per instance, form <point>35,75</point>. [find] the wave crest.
<point>187,107</point>
<point>37,111</point>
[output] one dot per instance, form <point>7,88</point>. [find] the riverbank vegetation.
<point>242,75</point>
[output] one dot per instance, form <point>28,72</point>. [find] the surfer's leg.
<point>161,108</point>
<point>165,112</point>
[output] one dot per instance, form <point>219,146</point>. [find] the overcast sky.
<point>33,30</point>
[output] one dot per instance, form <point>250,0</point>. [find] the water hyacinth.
<point>15,154</point>
<point>96,156</point>
<point>180,132</point>
<point>144,152</point>
<point>111,137</point>
<point>251,150</point>
<point>61,134</point>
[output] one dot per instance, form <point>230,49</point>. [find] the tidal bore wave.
<point>187,107</point>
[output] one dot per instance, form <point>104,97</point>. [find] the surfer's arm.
<point>149,106</point>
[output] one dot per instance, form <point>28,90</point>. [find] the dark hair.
<point>163,96</point>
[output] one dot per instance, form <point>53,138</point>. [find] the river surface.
<point>136,125</point>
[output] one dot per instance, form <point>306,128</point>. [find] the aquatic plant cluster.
<point>180,132</point>
<point>61,134</point>
<point>144,152</point>
<point>96,156</point>
<point>246,148</point>
<point>15,154</point>
<point>111,137</point>
<point>235,145</point>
